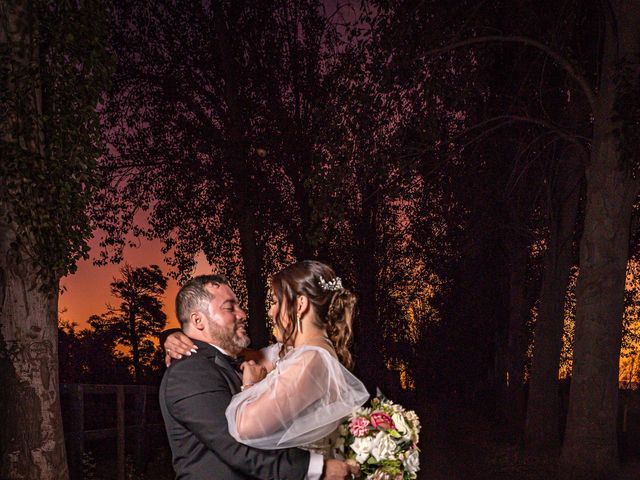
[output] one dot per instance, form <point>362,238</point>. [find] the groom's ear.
<point>197,320</point>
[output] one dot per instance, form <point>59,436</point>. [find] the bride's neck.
<point>310,335</point>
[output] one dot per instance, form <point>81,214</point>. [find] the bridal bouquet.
<point>382,439</point>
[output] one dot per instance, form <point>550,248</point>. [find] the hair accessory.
<point>334,285</point>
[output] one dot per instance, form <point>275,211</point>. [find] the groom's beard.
<point>233,338</point>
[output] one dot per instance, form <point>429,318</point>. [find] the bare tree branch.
<point>505,119</point>
<point>561,60</point>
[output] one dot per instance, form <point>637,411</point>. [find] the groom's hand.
<point>176,345</point>
<point>338,470</point>
<point>252,373</point>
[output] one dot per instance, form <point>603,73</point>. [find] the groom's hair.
<point>194,295</point>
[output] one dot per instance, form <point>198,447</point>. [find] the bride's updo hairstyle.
<point>333,305</point>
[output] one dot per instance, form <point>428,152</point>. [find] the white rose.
<point>362,446</point>
<point>411,461</point>
<point>383,447</point>
<point>402,426</point>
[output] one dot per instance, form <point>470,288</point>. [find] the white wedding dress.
<point>299,404</point>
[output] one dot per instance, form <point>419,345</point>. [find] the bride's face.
<point>278,320</point>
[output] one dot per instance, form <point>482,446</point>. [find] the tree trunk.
<point>32,441</point>
<point>368,334</point>
<point>252,260</point>
<point>512,404</point>
<point>304,244</point>
<point>242,172</point>
<point>31,436</point>
<point>590,444</point>
<point>542,421</point>
<point>135,347</point>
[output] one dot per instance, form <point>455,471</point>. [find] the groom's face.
<point>226,320</point>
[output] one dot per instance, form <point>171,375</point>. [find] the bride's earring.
<point>299,324</point>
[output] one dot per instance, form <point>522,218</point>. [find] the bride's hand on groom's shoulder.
<point>176,346</point>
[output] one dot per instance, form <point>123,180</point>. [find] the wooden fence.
<point>76,434</point>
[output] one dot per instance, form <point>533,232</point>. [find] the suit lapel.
<point>228,372</point>
<point>224,367</point>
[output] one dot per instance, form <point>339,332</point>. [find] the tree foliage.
<point>50,141</point>
<point>313,115</point>
<point>212,133</point>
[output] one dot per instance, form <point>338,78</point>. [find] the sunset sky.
<point>87,291</point>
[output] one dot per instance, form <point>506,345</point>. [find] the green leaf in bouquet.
<point>392,467</point>
<point>394,433</point>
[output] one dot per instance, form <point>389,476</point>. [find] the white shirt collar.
<point>222,350</point>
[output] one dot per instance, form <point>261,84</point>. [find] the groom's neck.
<point>205,337</point>
<point>195,334</point>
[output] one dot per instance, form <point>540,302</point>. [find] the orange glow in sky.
<point>87,291</point>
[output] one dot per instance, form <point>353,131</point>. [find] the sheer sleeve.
<point>303,400</point>
<point>271,353</point>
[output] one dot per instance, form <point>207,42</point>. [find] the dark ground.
<point>457,444</point>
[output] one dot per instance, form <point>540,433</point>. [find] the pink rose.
<point>358,426</point>
<point>382,420</point>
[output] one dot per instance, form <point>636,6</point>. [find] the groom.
<point>196,390</point>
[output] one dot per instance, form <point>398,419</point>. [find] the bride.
<point>308,389</point>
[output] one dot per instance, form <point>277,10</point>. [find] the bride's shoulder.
<point>312,353</point>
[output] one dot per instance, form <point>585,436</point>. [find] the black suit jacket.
<point>194,394</point>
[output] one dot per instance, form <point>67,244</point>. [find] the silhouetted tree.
<point>139,318</point>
